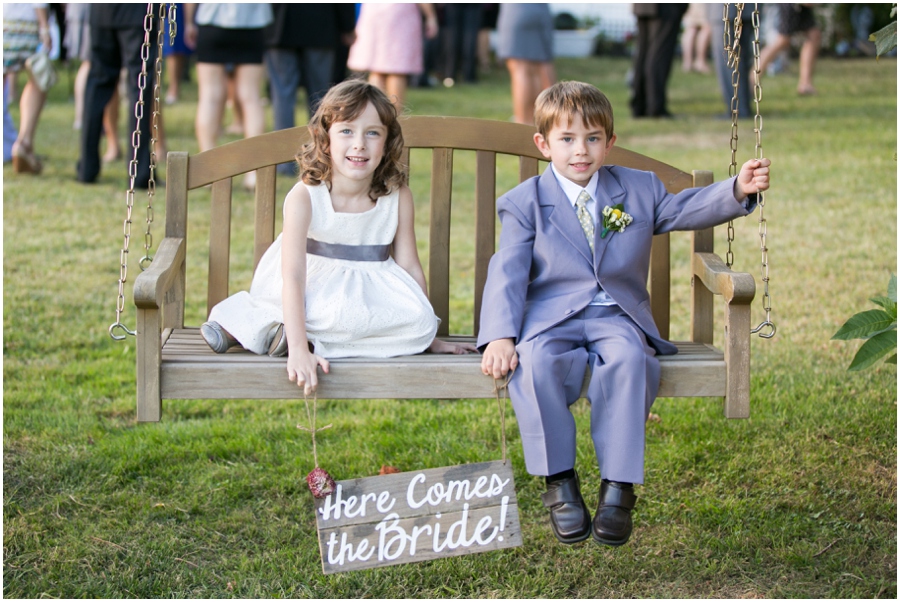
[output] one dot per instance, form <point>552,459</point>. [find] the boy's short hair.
<point>564,99</point>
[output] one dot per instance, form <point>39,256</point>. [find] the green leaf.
<point>885,39</point>
<point>891,360</point>
<point>892,288</point>
<point>889,305</point>
<point>873,350</point>
<point>864,325</point>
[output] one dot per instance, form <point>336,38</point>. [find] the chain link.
<point>117,326</point>
<point>154,138</point>
<point>733,58</point>
<point>765,329</point>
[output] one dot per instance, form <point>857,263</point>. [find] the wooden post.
<point>737,360</point>
<point>149,358</point>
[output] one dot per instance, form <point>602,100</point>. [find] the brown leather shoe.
<point>612,524</point>
<point>570,518</point>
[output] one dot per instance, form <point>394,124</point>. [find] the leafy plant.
<point>877,326</point>
<point>886,38</point>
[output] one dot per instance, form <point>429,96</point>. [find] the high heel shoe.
<point>25,162</point>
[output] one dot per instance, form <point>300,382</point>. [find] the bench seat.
<point>191,370</point>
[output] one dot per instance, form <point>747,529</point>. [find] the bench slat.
<point>219,242</point>
<point>439,242</point>
<point>190,370</point>
<point>264,220</point>
<point>485,224</point>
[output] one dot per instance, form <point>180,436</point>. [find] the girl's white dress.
<point>353,308</point>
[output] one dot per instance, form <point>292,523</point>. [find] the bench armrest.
<point>151,286</point>
<point>738,290</point>
<point>735,287</point>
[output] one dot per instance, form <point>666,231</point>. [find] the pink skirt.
<point>388,39</point>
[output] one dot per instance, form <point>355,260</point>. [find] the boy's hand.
<point>754,177</point>
<point>499,358</point>
<point>301,369</point>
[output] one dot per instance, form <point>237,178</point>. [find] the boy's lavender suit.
<point>539,287</point>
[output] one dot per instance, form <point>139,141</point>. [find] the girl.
<point>350,278</point>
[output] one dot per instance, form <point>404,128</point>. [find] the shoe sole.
<point>610,542</point>
<point>572,540</point>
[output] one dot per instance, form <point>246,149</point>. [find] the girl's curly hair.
<point>345,102</point>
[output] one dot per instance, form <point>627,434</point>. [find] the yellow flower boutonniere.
<point>614,219</point>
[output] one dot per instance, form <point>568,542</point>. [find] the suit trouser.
<point>289,68</point>
<point>460,33</point>
<point>111,49</point>
<point>656,42</point>
<point>623,385</point>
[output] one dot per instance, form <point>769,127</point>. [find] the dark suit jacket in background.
<point>312,25</point>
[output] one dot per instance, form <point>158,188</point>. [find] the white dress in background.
<point>353,308</point>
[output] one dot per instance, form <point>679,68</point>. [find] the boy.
<point>567,288</point>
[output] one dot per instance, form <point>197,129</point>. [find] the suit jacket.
<point>309,25</point>
<point>121,15</point>
<point>543,271</point>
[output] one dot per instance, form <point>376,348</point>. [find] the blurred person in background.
<point>389,45</point>
<point>25,28</point>
<point>525,42</point>
<point>303,40</point>
<point>223,34</point>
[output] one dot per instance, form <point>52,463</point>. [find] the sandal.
<point>24,161</point>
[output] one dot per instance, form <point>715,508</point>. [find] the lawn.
<point>798,501</point>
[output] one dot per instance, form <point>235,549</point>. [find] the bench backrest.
<point>442,135</point>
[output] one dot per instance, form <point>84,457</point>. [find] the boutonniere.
<point>614,219</point>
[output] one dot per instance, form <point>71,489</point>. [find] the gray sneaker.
<point>218,339</point>
<point>277,341</point>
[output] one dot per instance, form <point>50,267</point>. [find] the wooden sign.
<point>419,515</point>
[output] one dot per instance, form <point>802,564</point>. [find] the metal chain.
<point>765,329</point>
<point>154,138</point>
<point>132,174</point>
<point>733,58</point>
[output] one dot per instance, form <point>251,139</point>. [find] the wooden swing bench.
<point>173,361</point>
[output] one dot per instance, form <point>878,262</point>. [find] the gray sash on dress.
<point>349,252</point>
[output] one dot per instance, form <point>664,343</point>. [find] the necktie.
<point>584,217</point>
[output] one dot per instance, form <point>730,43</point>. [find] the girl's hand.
<point>301,369</point>
<point>439,346</point>
<point>754,178</point>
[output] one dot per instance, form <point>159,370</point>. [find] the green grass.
<point>798,501</point>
